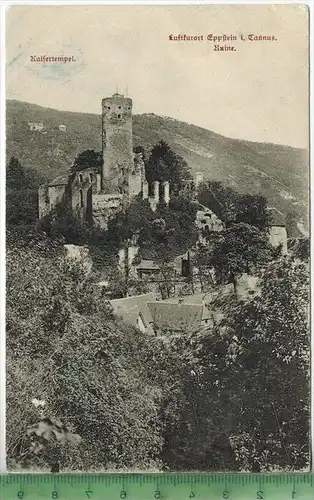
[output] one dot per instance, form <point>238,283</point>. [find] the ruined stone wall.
<point>105,206</point>
<point>144,190</point>
<point>208,220</point>
<point>117,142</point>
<point>83,184</point>
<point>56,195</point>
<point>136,175</point>
<point>135,185</point>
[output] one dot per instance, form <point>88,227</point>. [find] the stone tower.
<point>117,144</point>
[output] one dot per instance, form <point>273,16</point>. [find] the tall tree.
<point>170,233</point>
<point>87,159</point>
<point>241,248</point>
<point>165,165</point>
<point>231,206</point>
<point>236,397</point>
<point>223,201</point>
<point>15,175</point>
<point>252,209</point>
<point>21,193</point>
<point>268,353</point>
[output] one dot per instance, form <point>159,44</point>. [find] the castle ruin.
<point>95,195</point>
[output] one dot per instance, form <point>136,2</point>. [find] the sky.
<point>258,92</point>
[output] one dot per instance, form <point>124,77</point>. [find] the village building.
<point>154,316</point>
<point>180,315</point>
<point>95,195</point>
<point>35,126</point>
<point>148,269</point>
<point>184,314</point>
<point>207,221</point>
<point>135,311</point>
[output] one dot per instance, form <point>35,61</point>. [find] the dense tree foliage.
<point>87,159</point>
<point>230,206</point>
<point>165,165</point>
<point>239,249</point>
<point>61,224</point>
<point>268,363</point>
<point>220,399</point>
<point>70,352</point>
<point>237,397</point>
<point>170,233</point>
<point>161,235</point>
<point>15,174</point>
<point>21,193</point>
<point>252,209</point>
<point>220,199</point>
<point>231,397</point>
<point>125,225</point>
<point>300,248</point>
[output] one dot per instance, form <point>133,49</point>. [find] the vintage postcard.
<point>157,238</point>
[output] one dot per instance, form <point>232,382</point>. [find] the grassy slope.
<point>280,173</point>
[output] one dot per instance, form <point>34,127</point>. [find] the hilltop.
<point>280,173</point>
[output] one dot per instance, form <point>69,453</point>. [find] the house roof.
<point>148,265</point>
<point>195,299</point>
<point>129,308</point>
<point>170,316</point>
<point>61,180</point>
<point>198,299</point>
<point>278,218</point>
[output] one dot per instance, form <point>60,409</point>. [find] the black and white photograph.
<point>157,238</point>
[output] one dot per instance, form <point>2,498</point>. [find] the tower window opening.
<point>119,107</point>
<point>91,178</point>
<point>81,198</point>
<point>119,116</point>
<point>108,107</point>
<point>80,178</point>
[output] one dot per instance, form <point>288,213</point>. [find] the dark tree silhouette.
<point>87,159</point>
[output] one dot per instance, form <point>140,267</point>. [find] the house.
<point>187,314</point>
<point>207,221</point>
<point>151,315</point>
<point>177,318</point>
<point>181,266</point>
<point>35,126</point>
<point>134,310</point>
<point>147,268</point>
<point>62,128</point>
